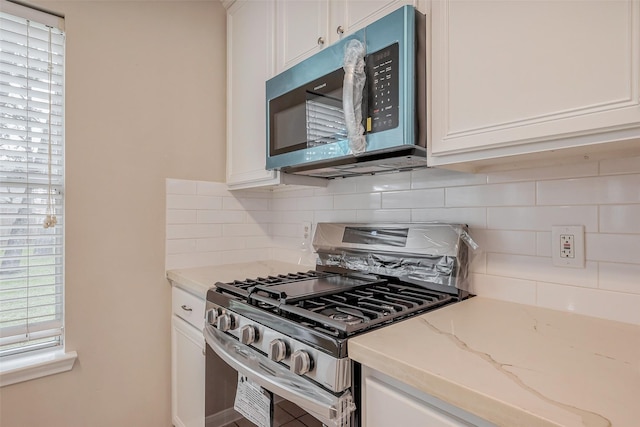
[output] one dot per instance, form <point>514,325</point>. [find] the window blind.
<point>31,181</point>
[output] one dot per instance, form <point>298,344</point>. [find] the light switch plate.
<point>567,246</point>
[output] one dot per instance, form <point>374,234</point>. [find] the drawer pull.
<point>186,308</point>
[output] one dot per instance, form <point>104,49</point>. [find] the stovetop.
<point>336,305</point>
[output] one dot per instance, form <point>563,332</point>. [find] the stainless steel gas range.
<point>284,338</point>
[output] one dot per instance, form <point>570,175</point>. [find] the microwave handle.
<point>331,410</point>
<point>352,87</point>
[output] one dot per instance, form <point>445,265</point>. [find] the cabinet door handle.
<point>320,40</point>
<point>340,30</point>
<point>186,308</point>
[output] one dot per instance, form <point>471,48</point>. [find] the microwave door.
<point>324,118</point>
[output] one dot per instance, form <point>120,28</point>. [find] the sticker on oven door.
<point>254,402</point>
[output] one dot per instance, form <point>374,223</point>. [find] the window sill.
<point>36,366</point>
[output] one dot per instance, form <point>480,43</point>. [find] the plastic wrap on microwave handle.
<point>442,264</point>
<point>354,80</point>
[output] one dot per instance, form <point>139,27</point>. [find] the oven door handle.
<point>331,410</point>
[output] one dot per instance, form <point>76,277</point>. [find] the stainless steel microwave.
<point>356,107</point>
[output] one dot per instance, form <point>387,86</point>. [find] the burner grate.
<point>345,313</point>
<point>334,304</point>
<point>243,288</point>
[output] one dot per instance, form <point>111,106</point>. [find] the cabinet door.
<point>302,30</point>
<point>388,402</point>
<point>352,15</point>
<point>249,64</point>
<point>187,374</point>
<point>519,77</point>
<point>386,406</point>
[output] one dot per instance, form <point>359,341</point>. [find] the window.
<point>31,180</point>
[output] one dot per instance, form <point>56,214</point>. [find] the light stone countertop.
<point>199,279</point>
<point>514,365</point>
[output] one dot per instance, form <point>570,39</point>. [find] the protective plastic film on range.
<point>432,255</point>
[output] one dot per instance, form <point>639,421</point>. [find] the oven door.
<point>226,358</point>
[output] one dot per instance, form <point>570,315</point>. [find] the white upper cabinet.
<point>516,78</point>
<point>305,27</point>
<point>249,64</point>
<point>302,30</point>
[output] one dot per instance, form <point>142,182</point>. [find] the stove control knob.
<point>212,316</point>
<point>224,322</point>
<point>248,334</point>
<point>300,362</point>
<point>277,350</point>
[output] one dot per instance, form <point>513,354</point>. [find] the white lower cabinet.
<point>187,360</point>
<point>388,402</point>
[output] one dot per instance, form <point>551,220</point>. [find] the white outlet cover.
<point>579,251</point>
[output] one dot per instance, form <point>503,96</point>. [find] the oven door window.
<point>221,394</point>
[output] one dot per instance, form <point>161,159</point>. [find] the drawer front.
<point>188,306</point>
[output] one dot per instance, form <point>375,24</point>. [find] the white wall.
<point>145,99</point>
<point>510,214</point>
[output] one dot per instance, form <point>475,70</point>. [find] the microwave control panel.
<point>383,97</point>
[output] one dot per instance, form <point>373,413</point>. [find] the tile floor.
<point>285,414</point>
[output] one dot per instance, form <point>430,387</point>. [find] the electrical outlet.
<point>306,233</point>
<point>567,245</point>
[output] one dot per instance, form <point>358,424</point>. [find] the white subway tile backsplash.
<point>541,269</point>
<point>620,277</point>
<point>623,248</point>
<point>293,193</point>
<point>337,186</point>
<point>620,219</point>
<point>292,216</point>
<point>504,288</point>
<point>259,217</point>
<point>619,306</point>
<point>429,198</point>
<point>506,241</point>
<point>541,218</point>
<point>620,166</point>
<point>442,178</point>
<point>179,201</point>
<point>242,255</point>
<point>245,204</point>
<point>545,173</point>
<point>384,215</point>
<point>181,246</point>
<point>510,215</point>
<point>335,216</point>
<point>205,188</point>
<point>221,217</point>
<point>543,243</point>
<point>244,230</point>
<point>590,191</point>
<point>473,217</point>
<point>285,230</point>
<point>182,216</point>
<point>357,201</point>
<point>305,203</point>
<point>258,242</point>
<point>511,194</point>
<point>384,182</point>
<point>218,244</point>
<point>193,231</point>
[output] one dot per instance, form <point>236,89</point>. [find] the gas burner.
<point>350,317</point>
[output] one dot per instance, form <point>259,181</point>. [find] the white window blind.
<point>31,180</point>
